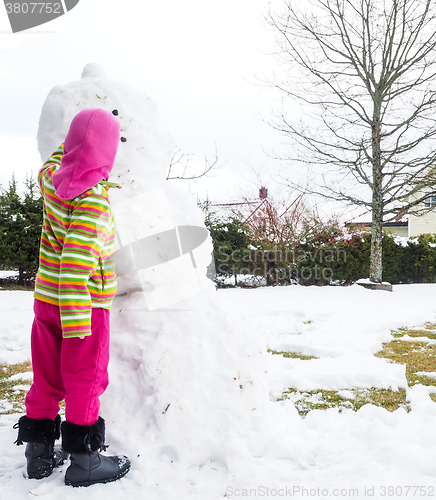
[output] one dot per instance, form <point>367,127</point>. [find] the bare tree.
<point>363,74</point>
<point>182,161</point>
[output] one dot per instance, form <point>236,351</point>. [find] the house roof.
<point>385,224</point>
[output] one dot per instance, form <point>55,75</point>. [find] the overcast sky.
<point>196,58</point>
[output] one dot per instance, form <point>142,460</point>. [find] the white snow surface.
<point>367,281</point>
<point>16,316</point>
<point>8,274</point>
<point>174,407</point>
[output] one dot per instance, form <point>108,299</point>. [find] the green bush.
<point>414,262</point>
<point>20,230</point>
<point>420,259</point>
<point>230,243</point>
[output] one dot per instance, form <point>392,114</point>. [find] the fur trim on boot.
<point>31,430</point>
<point>83,438</point>
<point>87,465</point>
<point>40,435</point>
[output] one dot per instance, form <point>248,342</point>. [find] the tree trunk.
<point>21,276</point>
<point>376,265</point>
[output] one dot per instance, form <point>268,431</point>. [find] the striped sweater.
<point>76,265</point>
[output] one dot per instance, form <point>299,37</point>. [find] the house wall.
<point>422,224</point>
<point>398,231</point>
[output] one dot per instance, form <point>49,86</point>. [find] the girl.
<point>75,286</point>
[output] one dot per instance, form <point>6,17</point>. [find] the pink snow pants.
<point>73,369</point>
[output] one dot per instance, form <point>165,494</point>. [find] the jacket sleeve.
<point>86,235</point>
<point>55,159</point>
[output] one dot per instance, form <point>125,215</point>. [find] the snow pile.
<point>16,319</point>
<point>341,326</point>
<point>402,240</point>
<point>8,274</point>
<point>191,382</point>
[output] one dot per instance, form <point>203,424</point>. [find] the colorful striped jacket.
<point>76,265</point>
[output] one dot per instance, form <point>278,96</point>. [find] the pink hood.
<point>90,148</point>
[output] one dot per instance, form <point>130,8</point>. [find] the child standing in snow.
<point>74,289</point>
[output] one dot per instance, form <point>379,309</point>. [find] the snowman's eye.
<point>123,139</point>
<point>115,112</point>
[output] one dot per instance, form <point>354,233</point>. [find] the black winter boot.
<point>40,435</point>
<point>87,466</point>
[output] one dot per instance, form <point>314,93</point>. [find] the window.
<point>430,201</point>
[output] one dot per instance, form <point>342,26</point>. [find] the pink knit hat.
<point>90,148</point>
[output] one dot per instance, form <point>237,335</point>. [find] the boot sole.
<point>98,481</point>
<point>40,475</point>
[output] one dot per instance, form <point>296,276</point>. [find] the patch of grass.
<point>413,379</point>
<point>292,354</point>
<point>427,332</point>
<point>417,356</point>
<point>7,371</point>
<point>12,401</point>
<point>400,332</point>
<point>17,288</point>
<point>387,398</point>
<point>306,401</point>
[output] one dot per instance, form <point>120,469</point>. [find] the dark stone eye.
<point>123,139</point>
<point>115,112</point>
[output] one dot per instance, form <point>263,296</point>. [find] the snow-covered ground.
<point>371,452</point>
<point>8,274</point>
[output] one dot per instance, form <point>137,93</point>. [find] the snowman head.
<point>145,147</point>
<point>162,246</point>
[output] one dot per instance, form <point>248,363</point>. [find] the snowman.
<point>187,382</point>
